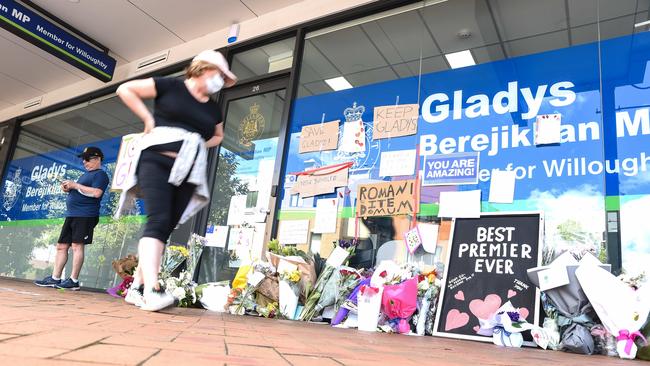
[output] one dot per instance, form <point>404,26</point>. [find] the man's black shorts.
<point>78,230</point>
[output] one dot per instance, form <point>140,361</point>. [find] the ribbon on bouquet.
<point>625,335</point>
<point>503,333</point>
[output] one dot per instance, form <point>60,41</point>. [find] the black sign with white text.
<point>487,267</point>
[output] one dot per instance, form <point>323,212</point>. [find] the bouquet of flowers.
<point>121,289</point>
<point>241,300</point>
<point>182,288</point>
<point>348,280</point>
<point>428,288</point>
<point>399,303</point>
<point>505,326</point>
<point>195,248</point>
<point>289,290</point>
<point>173,257</point>
<point>342,251</point>
<point>350,303</point>
<point>125,267</point>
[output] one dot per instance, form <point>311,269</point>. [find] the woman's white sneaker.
<point>156,300</point>
<point>134,296</point>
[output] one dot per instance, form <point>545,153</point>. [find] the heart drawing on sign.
<point>523,312</point>
<point>476,328</point>
<point>484,309</point>
<point>511,293</point>
<point>456,319</point>
<point>460,295</point>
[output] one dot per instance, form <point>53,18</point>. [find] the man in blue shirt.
<point>82,215</point>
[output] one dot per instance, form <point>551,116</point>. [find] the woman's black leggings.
<point>164,203</point>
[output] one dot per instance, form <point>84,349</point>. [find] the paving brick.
<point>65,339</point>
<point>29,350</point>
<point>44,327</point>
<point>109,353</point>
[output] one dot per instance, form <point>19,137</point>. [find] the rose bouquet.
<point>121,289</point>
<point>342,251</point>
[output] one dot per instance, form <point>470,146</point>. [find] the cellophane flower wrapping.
<point>173,257</point>
<point>182,288</point>
<point>313,295</point>
<point>399,302</point>
<point>195,249</point>
<point>121,289</point>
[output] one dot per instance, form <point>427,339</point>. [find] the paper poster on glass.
<point>458,168</point>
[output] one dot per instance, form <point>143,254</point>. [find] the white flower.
<point>178,293</point>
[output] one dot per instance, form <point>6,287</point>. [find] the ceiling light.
<point>339,83</point>
<point>460,59</point>
<point>73,1</point>
<point>637,25</point>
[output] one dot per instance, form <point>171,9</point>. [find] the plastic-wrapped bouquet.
<point>173,257</point>
<point>182,288</point>
<point>289,291</point>
<point>343,249</point>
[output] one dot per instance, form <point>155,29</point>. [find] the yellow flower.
<point>181,250</point>
<point>294,276</point>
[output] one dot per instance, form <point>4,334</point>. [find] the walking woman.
<point>171,175</point>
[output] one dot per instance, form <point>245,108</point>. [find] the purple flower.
<point>514,316</point>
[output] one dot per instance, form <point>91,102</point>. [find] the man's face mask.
<point>214,84</point>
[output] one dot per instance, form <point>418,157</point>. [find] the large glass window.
<point>481,73</point>
<point>33,205</point>
<point>264,60</point>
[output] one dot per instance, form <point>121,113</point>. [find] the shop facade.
<point>582,60</point>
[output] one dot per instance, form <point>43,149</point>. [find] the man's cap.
<point>217,59</point>
<point>91,151</point>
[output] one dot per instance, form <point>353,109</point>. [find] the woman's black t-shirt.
<point>176,107</point>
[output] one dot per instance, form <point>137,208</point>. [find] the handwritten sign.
<point>386,199</point>
<point>459,168</point>
<point>395,121</point>
<point>487,266</point>
<point>319,137</point>
<point>394,163</point>
<point>124,164</point>
<point>321,181</point>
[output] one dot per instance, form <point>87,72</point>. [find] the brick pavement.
<point>41,326</point>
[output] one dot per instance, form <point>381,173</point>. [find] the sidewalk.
<point>42,326</point>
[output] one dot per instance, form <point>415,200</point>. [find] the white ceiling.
<point>130,29</point>
<point>388,46</point>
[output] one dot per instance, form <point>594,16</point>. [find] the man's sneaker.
<point>47,282</point>
<point>69,284</point>
<point>134,296</point>
<point>156,300</point>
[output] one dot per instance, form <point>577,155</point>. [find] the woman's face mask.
<point>214,83</point>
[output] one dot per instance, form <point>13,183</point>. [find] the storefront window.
<point>481,73</point>
<point>264,60</point>
<point>33,206</point>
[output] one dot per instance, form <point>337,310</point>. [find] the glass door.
<point>241,212</point>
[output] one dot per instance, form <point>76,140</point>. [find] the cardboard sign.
<point>486,267</point>
<point>386,199</point>
<point>319,137</point>
<point>124,164</point>
<point>321,181</point>
<point>395,121</point>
